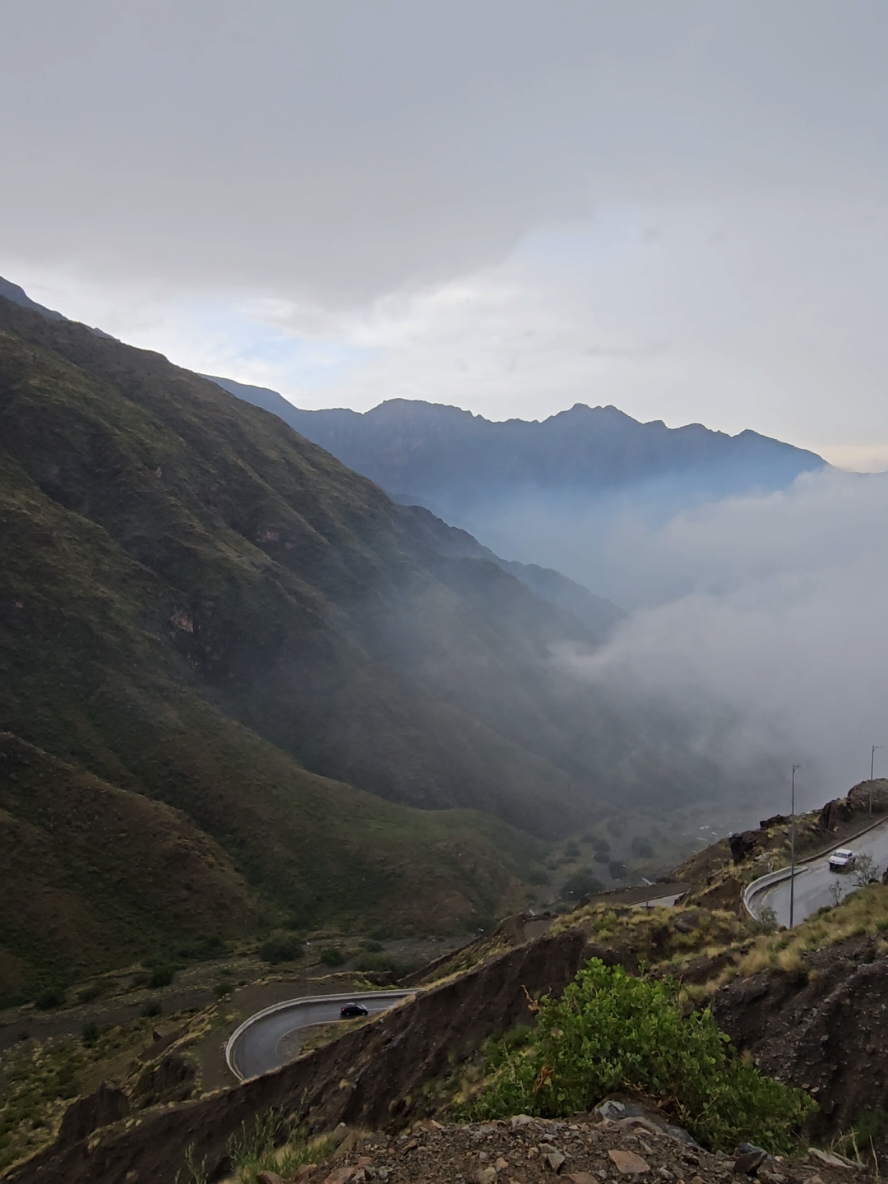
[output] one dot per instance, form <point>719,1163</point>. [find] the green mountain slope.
<point>201,611</point>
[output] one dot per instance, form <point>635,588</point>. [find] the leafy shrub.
<point>396,966</point>
<point>580,883</point>
<point>49,998</point>
<point>871,1124</point>
<point>88,993</point>
<point>161,976</point>
<point>538,876</point>
<point>281,947</point>
<point>571,850</point>
<point>151,1009</point>
<point>617,869</point>
<point>498,1048</point>
<point>332,956</point>
<point>222,989</point>
<point>609,1032</point>
<point>767,920</point>
<point>642,848</point>
<point>373,947</point>
<point>205,949</point>
<point>90,1033</point>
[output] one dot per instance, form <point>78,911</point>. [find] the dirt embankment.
<point>824,1028</point>
<point>373,1077</point>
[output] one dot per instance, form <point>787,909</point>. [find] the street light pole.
<point>792,842</point>
<point>872,765</point>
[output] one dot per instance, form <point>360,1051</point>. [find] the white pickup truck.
<point>842,860</point>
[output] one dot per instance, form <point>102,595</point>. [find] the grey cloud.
<point>348,148</point>
<point>762,630</point>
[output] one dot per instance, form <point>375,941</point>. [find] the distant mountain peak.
<point>19,296</point>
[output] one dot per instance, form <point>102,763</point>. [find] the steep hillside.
<point>94,875</point>
<point>174,572</point>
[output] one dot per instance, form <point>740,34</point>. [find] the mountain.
<point>334,707</point>
<point>187,605</point>
<point>445,457</point>
<point>564,494</point>
<point>596,612</point>
<point>18,295</point>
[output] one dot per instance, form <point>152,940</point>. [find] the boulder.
<point>743,844</point>
<point>774,820</point>
<point>628,1163</point>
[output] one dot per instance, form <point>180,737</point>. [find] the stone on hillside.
<point>611,1109</point>
<point>341,1175</point>
<point>748,1162</point>
<point>829,1159</point>
<point>628,1163</point>
<point>742,844</point>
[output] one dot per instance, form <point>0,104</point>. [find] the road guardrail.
<point>352,997</point>
<point>752,890</point>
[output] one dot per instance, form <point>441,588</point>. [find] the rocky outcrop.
<point>107,1105</point>
<point>743,844</point>
<point>822,1028</point>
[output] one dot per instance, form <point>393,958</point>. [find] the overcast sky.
<point>675,207</point>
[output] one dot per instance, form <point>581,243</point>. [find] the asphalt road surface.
<point>814,882</point>
<point>269,1039</point>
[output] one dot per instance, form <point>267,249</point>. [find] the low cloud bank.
<point>761,629</point>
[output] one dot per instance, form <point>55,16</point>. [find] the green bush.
<point>617,869</point>
<point>151,1009</point>
<point>332,956</point>
<point>205,949</point>
<point>161,976</point>
<point>90,1033</point>
<point>51,997</point>
<point>610,1032</point>
<point>222,989</point>
<point>88,993</point>
<point>642,848</point>
<point>581,883</point>
<point>281,947</point>
<point>373,947</point>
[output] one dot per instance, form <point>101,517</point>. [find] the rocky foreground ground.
<point>591,1150</point>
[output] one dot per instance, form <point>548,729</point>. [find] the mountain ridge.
<point>410,446</point>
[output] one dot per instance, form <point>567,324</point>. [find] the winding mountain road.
<point>814,882</point>
<point>270,1038</point>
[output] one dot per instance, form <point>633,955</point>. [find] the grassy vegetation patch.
<point>609,1032</point>
<point>38,1081</point>
<point>864,912</point>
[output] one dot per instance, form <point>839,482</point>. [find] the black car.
<point>351,1011</point>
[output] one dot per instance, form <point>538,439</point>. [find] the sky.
<point>506,205</point>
